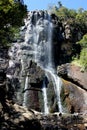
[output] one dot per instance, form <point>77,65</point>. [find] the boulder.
<point>74,74</point>
<point>73,98</point>
<point>74,88</point>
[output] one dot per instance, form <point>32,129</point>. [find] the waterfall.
<point>43,56</point>
<point>37,46</point>
<point>57,83</point>
<point>46,110</point>
<point>57,86</point>
<point>42,34</point>
<point>26,92</point>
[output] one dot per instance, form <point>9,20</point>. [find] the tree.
<point>11,16</point>
<point>64,13</point>
<point>60,4</point>
<point>81,19</point>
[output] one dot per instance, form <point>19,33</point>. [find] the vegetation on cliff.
<point>83,53</point>
<point>77,20</point>
<point>11,17</point>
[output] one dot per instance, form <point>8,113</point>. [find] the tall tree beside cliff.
<point>11,18</point>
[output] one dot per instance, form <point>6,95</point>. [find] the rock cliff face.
<point>25,71</point>
<point>30,54</point>
<point>22,77</point>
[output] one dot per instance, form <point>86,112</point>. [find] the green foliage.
<point>64,13</point>
<point>77,19</point>
<point>11,16</point>
<point>81,20</point>
<point>16,14</point>
<point>83,54</point>
<point>83,58</point>
<point>83,41</point>
<point>82,17</point>
<point>78,16</point>
<point>72,13</point>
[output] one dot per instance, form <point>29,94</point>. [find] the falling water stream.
<point>26,93</point>
<point>43,56</point>
<point>46,109</point>
<point>38,37</point>
<point>57,83</point>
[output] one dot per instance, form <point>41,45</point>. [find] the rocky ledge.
<point>17,117</point>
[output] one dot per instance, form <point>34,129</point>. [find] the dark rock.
<point>33,71</point>
<point>19,118</point>
<point>2,75</point>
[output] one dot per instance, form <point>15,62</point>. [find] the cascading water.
<point>46,109</point>
<point>57,83</point>
<point>26,93</point>
<point>42,34</point>
<point>37,46</point>
<point>43,55</point>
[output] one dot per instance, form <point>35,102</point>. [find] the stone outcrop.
<point>74,74</point>
<point>74,98</point>
<point>18,117</point>
<point>74,88</point>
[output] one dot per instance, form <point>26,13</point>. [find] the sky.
<point>43,4</point>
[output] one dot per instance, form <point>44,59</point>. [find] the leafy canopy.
<point>11,16</point>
